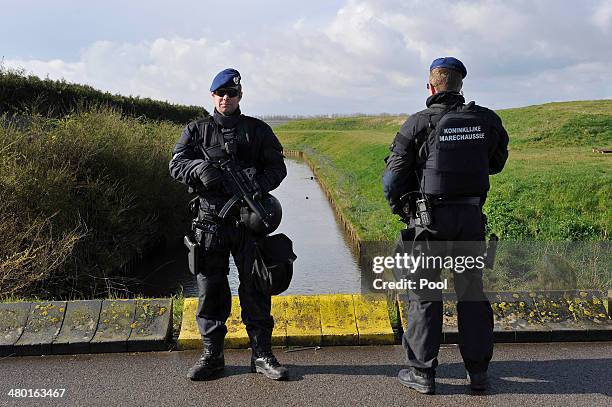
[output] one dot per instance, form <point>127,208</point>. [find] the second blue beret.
<point>449,63</point>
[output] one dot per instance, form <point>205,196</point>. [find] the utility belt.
<point>423,205</point>
<point>462,200</point>
<point>205,232</point>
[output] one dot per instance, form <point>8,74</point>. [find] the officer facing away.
<point>254,146</point>
<point>445,154</point>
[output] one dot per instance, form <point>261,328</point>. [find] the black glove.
<point>211,177</point>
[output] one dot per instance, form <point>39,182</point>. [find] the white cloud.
<point>367,56</point>
<point>602,16</point>
<point>54,68</point>
<point>491,21</point>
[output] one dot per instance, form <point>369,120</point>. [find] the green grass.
<point>554,188</point>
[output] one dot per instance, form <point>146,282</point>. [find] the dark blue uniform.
<point>258,147</point>
<point>447,152</point>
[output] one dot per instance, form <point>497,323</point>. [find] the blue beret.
<point>449,63</point>
<point>228,78</point>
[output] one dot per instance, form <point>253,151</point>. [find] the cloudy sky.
<point>319,56</point>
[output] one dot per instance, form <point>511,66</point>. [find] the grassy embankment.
<point>553,187</point>
<point>79,197</point>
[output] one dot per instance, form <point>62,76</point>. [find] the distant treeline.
<point>21,94</point>
<point>287,117</point>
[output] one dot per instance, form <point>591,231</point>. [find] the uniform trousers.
<point>456,230</point>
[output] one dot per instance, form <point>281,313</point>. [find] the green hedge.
<point>80,197</point>
<point>21,94</point>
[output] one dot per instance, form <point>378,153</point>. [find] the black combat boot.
<point>266,363</point>
<point>211,361</point>
<point>478,381</point>
<point>423,382</point>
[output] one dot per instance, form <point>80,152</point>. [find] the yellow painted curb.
<point>338,325</point>
<point>279,313</point>
<point>237,336</point>
<point>303,320</point>
<point>189,337</point>
<point>372,319</point>
<point>403,310</point>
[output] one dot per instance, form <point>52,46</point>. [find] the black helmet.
<point>254,223</point>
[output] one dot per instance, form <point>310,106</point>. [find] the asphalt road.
<point>555,374</point>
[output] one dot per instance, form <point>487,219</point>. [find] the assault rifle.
<point>240,182</point>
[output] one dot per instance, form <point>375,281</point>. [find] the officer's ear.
<point>240,95</point>
<point>431,88</point>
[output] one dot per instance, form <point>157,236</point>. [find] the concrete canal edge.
<point>91,326</point>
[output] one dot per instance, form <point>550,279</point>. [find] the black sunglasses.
<point>229,92</point>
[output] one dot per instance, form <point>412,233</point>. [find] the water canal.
<point>325,261</point>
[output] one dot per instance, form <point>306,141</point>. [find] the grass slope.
<point>553,187</point>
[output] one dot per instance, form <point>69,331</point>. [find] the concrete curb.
<point>44,324</point>
<point>306,320</point>
<point>13,319</point>
<point>542,316</point>
<point>353,319</point>
<point>78,328</point>
<point>59,327</point>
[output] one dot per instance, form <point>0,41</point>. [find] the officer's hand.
<point>259,192</point>
<point>211,177</point>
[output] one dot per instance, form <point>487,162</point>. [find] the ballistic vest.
<point>457,162</point>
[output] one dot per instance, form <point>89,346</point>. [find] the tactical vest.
<point>212,139</point>
<point>457,162</point>
<point>209,141</point>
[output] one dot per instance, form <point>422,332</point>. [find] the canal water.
<point>324,265</point>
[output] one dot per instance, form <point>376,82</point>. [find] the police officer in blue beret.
<point>193,163</point>
<point>437,178</point>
